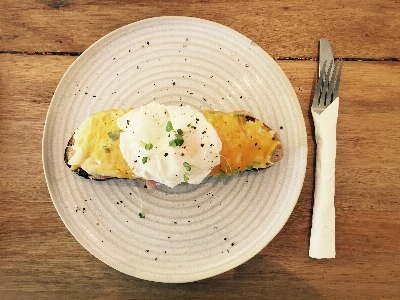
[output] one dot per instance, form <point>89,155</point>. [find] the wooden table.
<point>39,258</point>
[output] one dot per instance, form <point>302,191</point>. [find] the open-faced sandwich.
<point>170,144</point>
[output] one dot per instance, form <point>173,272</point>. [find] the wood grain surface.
<point>40,259</point>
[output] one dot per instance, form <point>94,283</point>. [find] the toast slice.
<point>247,144</point>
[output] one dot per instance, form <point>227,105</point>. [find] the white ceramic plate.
<point>190,232</point>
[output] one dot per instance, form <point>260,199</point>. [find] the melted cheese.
<point>90,141</point>
<point>245,143</point>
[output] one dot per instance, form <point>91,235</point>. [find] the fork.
<point>327,89</point>
<point>324,110</point>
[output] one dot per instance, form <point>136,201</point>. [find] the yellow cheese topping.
<point>96,152</point>
<point>246,142</point>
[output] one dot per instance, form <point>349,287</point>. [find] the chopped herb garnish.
<point>190,125</point>
<point>222,174</point>
<point>235,172</point>
<point>144,159</point>
<point>238,115</point>
<point>142,216</point>
<point>148,146</point>
<point>113,135</point>
<point>106,150</point>
<point>187,166</point>
<point>249,167</point>
<point>169,127</point>
<point>185,178</point>
<point>178,141</point>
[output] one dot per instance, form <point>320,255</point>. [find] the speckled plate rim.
<point>237,261</point>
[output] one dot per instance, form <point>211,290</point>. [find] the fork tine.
<point>331,84</point>
<point>324,96</point>
<point>336,91</point>
<point>318,88</point>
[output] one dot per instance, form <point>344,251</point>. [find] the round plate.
<point>190,232</point>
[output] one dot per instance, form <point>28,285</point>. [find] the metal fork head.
<point>327,89</point>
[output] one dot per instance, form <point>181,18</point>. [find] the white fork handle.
<point>322,239</point>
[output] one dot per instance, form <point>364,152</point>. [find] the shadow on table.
<point>256,279</point>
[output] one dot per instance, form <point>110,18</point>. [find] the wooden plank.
<point>356,29</point>
<point>39,256</point>
<point>367,128</point>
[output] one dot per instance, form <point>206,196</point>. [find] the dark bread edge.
<point>81,172</point>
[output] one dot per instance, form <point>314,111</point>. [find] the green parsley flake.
<point>190,125</point>
<point>178,141</point>
<point>249,167</point>
<point>239,115</point>
<point>144,159</point>
<point>142,216</point>
<point>148,146</point>
<point>106,150</point>
<point>187,166</point>
<point>169,127</point>
<point>235,172</point>
<point>113,135</point>
<point>180,132</point>
<point>185,178</point>
<point>222,174</point>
